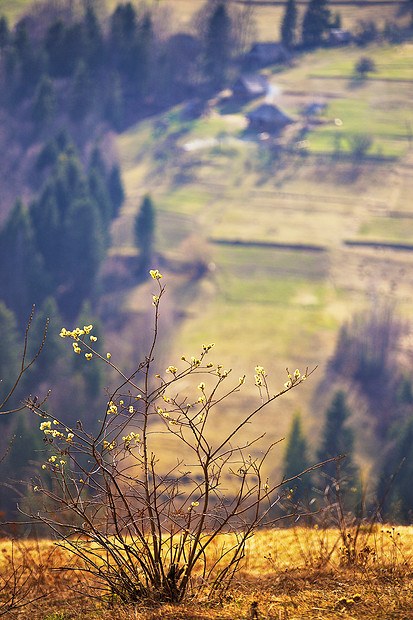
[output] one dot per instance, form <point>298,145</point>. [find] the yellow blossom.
<point>201,386</point>
<point>108,355</point>
<point>155,274</point>
<point>88,356</point>
<point>172,369</point>
<point>112,408</point>
<point>207,347</point>
<point>93,338</point>
<point>130,409</point>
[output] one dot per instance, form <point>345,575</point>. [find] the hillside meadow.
<point>287,574</point>
<point>291,241</point>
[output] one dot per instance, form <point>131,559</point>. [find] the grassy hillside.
<point>219,188</point>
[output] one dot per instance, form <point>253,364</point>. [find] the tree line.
<point>371,377</point>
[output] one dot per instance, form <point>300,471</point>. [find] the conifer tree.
<point>94,45</point>
<point>114,105</point>
<point>53,45</point>
<point>23,280</point>
<point>48,155</point>
<point>9,357</point>
<point>81,96</point>
<point>398,463</point>
<point>83,253</point>
<point>96,161</point>
<point>44,104</point>
<point>296,460</point>
<point>145,232</point>
<point>289,24</point>
<point>44,215</point>
<point>315,23</point>
<point>218,45</point>
<point>4,33</point>
<point>99,192</point>
<point>338,440</point>
<point>115,189</point>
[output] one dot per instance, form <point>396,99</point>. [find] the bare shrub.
<point>142,528</point>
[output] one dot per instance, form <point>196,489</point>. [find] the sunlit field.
<point>287,573</point>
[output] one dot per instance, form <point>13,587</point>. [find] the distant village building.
<point>316,108</point>
<point>338,36</point>
<point>263,54</point>
<point>250,85</point>
<point>268,117</point>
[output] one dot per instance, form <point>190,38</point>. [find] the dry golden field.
<point>288,574</point>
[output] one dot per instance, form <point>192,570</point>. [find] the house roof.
<point>269,114</point>
<point>268,52</point>
<point>339,35</point>
<point>252,84</point>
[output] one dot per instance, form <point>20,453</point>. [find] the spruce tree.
<point>289,24</point>
<point>44,104</point>
<point>94,44</point>
<point>81,96</point>
<point>115,189</point>
<point>218,45</point>
<point>145,232</point>
<point>4,33</point>
<point>99,192</point>
<point>296,460</point>
<point>315,23</point>
<point>44,215</point>
<point>398,463</point>
<point>338,440</point>
<point>9,357</point>
<point>114,104</point>
<point>83,253</point>
<point>53,45</point>
<point>23,280</point>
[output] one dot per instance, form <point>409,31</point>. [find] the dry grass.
<point>289,574</point>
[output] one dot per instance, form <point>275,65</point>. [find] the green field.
<point>213,182</point>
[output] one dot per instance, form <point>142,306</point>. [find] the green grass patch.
<point>393,62</point>
<point>387,228</point>
<point>184,200</point>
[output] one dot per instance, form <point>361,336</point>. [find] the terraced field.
<point>256,215</point>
